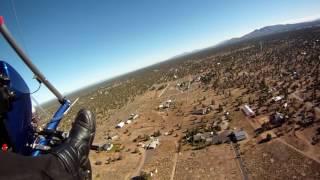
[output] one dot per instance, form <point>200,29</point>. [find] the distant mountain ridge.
<point>264,31</point>
<point>268,30</point>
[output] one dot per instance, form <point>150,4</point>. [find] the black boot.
<point>73,153</point>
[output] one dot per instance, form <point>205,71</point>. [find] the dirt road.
<point>240,161</point>
<point>299,151</point>
<point>142,161</point>
<point>284,142</point>
<point>174,166</point>
<point>164,90</point>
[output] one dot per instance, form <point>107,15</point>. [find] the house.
<point>133,116</point>
<point>277,98</point>
<point>166,104</point>
<point>197,137</point>
<point>161,106</point>
<point>120,125</point>
<point>202,111</point>
<point>198,112</point>
<point>106,147</point>
<point>216,140</point>
<point>128,121</point>
<point>223,137</point>
<point>277,119</point>
<point>206,136</point>
<point>239,136</point>
<point>154,143</point>
<point>248,111</point>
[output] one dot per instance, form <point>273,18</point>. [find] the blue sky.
<point>77,43</point>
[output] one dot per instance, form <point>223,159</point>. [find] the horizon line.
<point>287,22</point>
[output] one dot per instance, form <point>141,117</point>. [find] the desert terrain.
<point>250,110</point>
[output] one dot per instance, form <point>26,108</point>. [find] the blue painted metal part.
<point>18,119</point>
<point>52,125</point>
<point>21,112</point>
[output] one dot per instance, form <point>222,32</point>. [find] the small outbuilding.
<point>120,125</point>
<point>128,121</point>
<point>133,116</point>
<point>248,111</point>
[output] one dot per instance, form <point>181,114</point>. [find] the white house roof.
<point>120,125</point>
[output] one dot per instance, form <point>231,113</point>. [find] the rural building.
<point>276,119</point>
<point>120,125</point>
<point>201,111</point>
<point>133,116</point>
<point>239,136</point>
<point>248,111</point>
<point>197,137</point>
<point>105,147</point>
<point>223,137</point>
<point>166,104</point>
<point>216,140</point>
<point>277,98</point>
<point>207,136</point>
<point>154,144</point>
<point>128,121</point>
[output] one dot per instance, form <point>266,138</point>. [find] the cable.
<point>36,89</point>
<point>21,37</point>
<point>18,25</point>
<point>30,93</point>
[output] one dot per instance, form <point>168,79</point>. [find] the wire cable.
<point>39,87</point>
<point>13,6</point>
<point>18,25</point>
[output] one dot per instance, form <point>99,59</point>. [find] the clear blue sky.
<point>77,43</point>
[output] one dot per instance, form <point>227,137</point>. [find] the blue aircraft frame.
<point>18,123</point>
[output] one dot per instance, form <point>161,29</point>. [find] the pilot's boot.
<point>73,153</point>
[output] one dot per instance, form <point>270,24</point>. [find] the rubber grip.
<point>1,20</point>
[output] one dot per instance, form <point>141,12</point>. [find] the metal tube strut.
<point>40,77</point>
